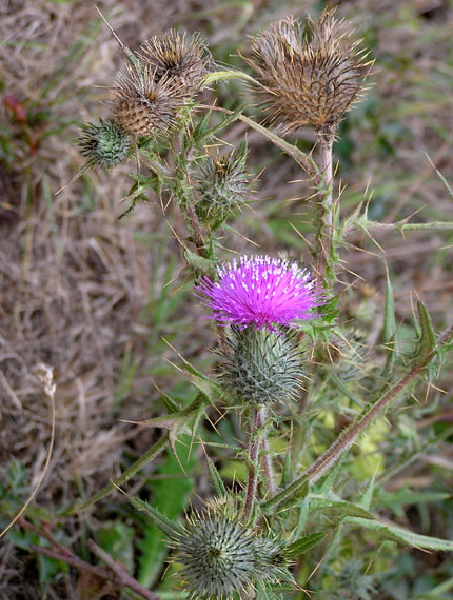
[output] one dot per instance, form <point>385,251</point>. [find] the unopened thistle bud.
<point>104,145</point>
<point>222,557</point>
<point>308,80</point>
<point>261,367</point>
<point>144,107</point>
<point>221,184</point>
<point>171,56</point>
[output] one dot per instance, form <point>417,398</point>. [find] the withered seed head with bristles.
<point>308,79</point>
<point>144,106</point>
<point>171,55</point>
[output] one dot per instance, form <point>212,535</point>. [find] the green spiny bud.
<point>221,184</point>
<point>261,366</point>
<point>104,145</point>
<point>221,556</point>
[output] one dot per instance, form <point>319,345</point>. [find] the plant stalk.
<point>324,235</point>
<point>268,468</point>
<point>256,425</point>
<point>349,436</point>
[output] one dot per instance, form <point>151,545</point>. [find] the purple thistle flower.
<point>262,291</point>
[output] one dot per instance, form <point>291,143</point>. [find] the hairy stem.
<point>128,473</point>
<point>256,424</point>
<point>116,576</point>
<point>326,207</point>
<point>349,436</point>
<point>268,467</point>
<point>124,578</point>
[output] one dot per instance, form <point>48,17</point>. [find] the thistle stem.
<point>256,424</point>
<point>326,206</point>
<point>350,435</point>
<point>268,467</point>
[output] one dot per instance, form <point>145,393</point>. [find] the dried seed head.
<point>104,145</point>
<point>221,556</point>
<point>308,81</point>
<point>171,56</point>
<point>261,367</point>
<point>221,184</point>
<point>144,107</point>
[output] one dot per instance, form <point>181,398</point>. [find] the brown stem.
<point>196,228</point>
<point>256,424</point>
<point>345,441</point>
<point>123,576</point>
<point>325,199</point>
<point>116,574</point>
<point>73,561</point>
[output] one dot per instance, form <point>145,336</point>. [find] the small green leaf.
<point>427,338</point>
<point>224,76</point>
<point>168,526</point>
<point>117,539</point>
<point>216,480</point>
<point>303,545</point>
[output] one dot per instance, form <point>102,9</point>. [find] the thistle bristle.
<point>104,145</point>
<point>261,367</point>
<point>308,81</point>
<point>221,184</point>
<point>170,55</point>
<point>144,107</point>
<point>222,556</point>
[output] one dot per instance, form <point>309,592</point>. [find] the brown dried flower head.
<point>145,106</point>
<point>308,78</point>
<point>171,55</point>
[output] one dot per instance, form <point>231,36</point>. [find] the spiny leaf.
<point>365,500</point>
<point>427,337</point>
<point>402,535</point>
<point>168,526</point>
<point>216,480</point>
<point>304,544</point>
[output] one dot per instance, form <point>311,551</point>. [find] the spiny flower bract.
<point>221,184</point>
<point>260,291</point>
<point>171,56</point>
<point>104,145</point>
<point>221,557</point>
<point>308,79</point>
<point>261,367</point>
<point>144,107</point>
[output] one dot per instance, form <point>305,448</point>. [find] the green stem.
<point>256,425</point>
<point>349,436</point>
<point>324,236</point>
<point>128,473</point>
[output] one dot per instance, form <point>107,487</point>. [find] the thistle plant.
<point>221,184</point>
<point>279,342</point>
<point>104,145</point>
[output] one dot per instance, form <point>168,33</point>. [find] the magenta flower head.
<point>261,291</point>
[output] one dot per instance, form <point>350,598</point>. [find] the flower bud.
<point>261,366</point>
<point>221,184</point>
<point>104,145</point>
<point>221,556</point>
